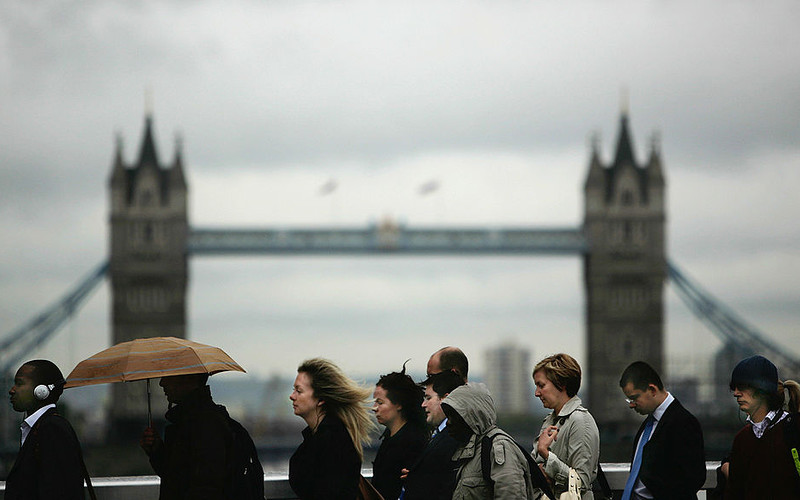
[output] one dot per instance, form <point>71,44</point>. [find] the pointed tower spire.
<point>119,181</point>
<point>596,175</point>
<point>177,178</point>
<point>118,161</point>
<point>654,168</point>
<point>594,144</point>
<point>148,154</point>
<point>624,154</point>
<point>118,173</point>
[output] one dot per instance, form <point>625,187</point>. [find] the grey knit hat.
<point>757,372</point>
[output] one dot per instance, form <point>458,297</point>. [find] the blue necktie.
<point>637,459</point>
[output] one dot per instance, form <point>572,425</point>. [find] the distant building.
<point>508,376</point>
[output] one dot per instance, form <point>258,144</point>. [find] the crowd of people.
<point>439,438</point>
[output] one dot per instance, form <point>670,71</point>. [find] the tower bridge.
<point>621,242</point>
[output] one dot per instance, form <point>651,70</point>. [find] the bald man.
<point>449,359</point>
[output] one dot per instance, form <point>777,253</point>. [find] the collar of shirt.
<point>663,407</point>
<point>771,419</point>
<point>30,421</point>
<point>441,426</point>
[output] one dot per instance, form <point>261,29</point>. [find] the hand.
<point>403,473</point>
<point>725,467</point>
<point>150,441</point>
<point>544,441</point>
<point>549,481</point>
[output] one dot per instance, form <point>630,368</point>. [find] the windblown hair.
<point>641,375</point>
<point>402,390</point>
<point>46,372</point>
<point>341,397</point>
<point>563,371</point>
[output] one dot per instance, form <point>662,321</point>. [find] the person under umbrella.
<point>195,460</point>
<point>191,459</point>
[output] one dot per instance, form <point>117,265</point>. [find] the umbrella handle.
<point>149,413</point>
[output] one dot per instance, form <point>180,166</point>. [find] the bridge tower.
<point>148,263</point>
<point>624,271</point>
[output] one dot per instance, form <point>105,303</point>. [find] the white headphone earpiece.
<point>42,392</point>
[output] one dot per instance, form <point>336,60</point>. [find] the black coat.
<point>433,476</point>
<point>326,465</point>
<point>673,459</point>
<point>192,464</point>
<point>48,466</point>
<point>396,453</point>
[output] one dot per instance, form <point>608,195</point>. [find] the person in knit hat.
<point>760,465</point>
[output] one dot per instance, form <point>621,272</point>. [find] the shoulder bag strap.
<point>792,437</point>
<point>86,477</point>
<point>603,482</point>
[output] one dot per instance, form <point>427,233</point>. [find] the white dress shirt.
<point>29,422</point>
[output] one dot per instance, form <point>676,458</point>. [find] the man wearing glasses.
<point>668,460</point>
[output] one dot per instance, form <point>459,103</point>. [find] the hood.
<point>475,405</point>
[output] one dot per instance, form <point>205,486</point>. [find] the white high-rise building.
<point>508,376</point>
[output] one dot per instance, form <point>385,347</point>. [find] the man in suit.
<point>432,477</point>
<point>49,465</point>
<point>668,460</point>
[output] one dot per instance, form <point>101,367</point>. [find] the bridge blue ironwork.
<point>726,324</point>
<point>20,342</point>
<point>391,239</point>
<point>388,238</point>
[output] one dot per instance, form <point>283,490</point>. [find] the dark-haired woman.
<point>761,465</point>
<point>398,407</point>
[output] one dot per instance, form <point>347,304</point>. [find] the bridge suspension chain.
<point>727,325</point>
<point>27,337</point>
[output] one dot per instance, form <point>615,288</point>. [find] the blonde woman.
<point>569,437</point>
<point>327,464</point>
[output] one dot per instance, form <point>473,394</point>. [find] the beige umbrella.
<point>154,357</point>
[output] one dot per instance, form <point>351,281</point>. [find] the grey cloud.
<point>270,87</point>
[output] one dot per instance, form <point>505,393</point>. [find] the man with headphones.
<point>49,464</point>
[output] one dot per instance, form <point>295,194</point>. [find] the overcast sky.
<point>495,101</point>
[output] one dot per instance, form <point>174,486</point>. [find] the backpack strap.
<point>37,452</point>
<point>603,482</point>
<point>792,437</point>
<point>486,461</point>
<point>537,476</point>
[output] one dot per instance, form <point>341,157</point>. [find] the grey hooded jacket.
<point>512,480</point>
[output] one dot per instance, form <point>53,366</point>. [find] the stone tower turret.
<point>624,271</point>
<point>148,267</point>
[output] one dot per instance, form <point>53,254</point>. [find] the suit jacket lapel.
<point>29,444</point>
<point>432,443</point>
<point>24,450</point>
<point>665,418</point>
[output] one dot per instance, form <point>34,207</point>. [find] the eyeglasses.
<point>632,399</point>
